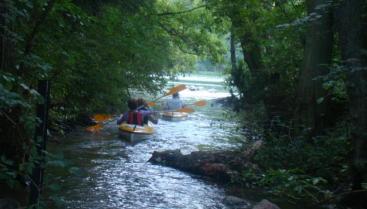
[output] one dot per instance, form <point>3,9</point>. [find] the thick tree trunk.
<point>236,72</point>
<point>252,57</point>
<point>2,34</point>
<point>251,54</point>
<point>312,99</point>
<point>4,39</point>
<point>9,145</point>
<point>353,43</point>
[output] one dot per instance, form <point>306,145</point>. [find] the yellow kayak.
<point>135,133</point>
<point>174,116</point>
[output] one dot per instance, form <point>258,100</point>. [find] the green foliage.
<point>7,174</point>
<point>295,185</point>
<point>272,36</point>
<point>335,83</point>
<point>94,53</point>
<point>272,51</point>
<point>103,51</point>
<point>300,169</point>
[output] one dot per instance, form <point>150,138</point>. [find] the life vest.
<point>135,118</point>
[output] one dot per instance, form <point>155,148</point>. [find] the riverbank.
<point>225,168</point>
<point>228,169</point>
<point>110,165</point>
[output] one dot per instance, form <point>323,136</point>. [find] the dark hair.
<point>175,95</point>
<point>132,104</point>
<point>141,102</point>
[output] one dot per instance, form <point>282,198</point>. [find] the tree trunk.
<point>2,34</point>
<point>5,52</point>
<point>252,57</point>
<point>236,72</point>
<point>312,99</point>
<point>233,52</point>
<point>352,30</point>
<point>251,54</point>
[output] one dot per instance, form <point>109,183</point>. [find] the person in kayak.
<point>174,103</point>
<point>134,116</point>
<point>143,106</point>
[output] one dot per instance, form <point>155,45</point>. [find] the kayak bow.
<point>174,116</point>
<point>135,133</point>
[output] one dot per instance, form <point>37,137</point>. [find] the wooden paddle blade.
<point>101,117</point>
<point>176,89</point>
<point>185,109</point>
<point>151,104</point>
<point>94,129</point>
<point>200,103</point>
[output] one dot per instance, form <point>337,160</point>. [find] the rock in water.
<point>236,202</point>
<point>265,204</point>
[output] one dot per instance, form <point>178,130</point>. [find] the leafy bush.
<point>301,169</point>
<point>294,185</point>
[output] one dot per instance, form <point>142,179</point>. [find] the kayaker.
<point>174,103</point>
<point>143,106</point>
<point>134,116</point>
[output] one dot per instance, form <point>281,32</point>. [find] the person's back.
<point>135,116</point>
<point>132,116</point>
<point>142,104</point>
<point>173,104</point>
<point>146,111</point>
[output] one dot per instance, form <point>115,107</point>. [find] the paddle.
<point>199,103</point>
<point>99,119</point>
<point>185,109</point>
<point>171,91</point>
<point>95,128</point>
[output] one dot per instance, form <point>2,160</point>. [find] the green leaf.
<point>54,187</point>
<point>320,100</point>
<point>364,185</point>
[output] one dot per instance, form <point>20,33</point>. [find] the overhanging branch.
<point>180,12</point>
<point>183,38</point>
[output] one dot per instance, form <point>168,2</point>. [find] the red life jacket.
<point>135,118</point>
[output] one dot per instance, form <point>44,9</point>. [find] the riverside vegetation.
<point>299,67</point>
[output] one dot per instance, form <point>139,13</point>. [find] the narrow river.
<point>115,174</point>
